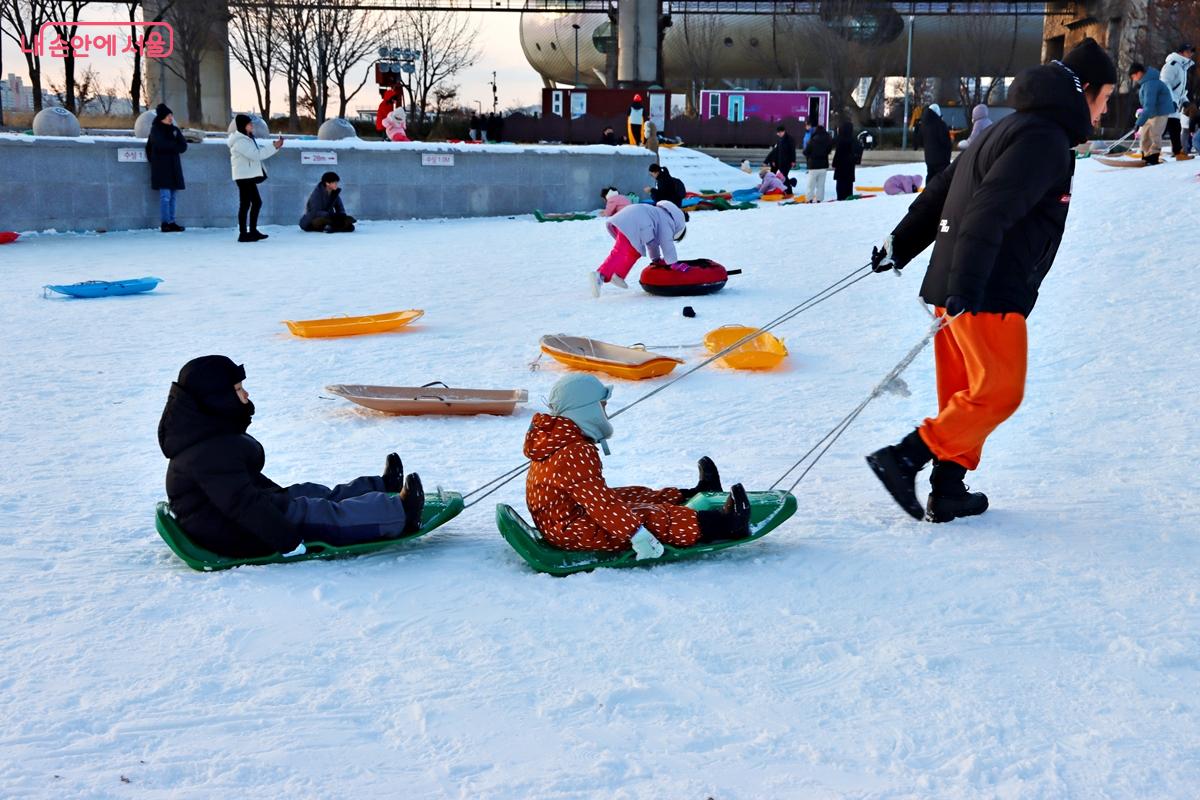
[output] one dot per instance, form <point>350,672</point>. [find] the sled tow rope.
<point>834,288</point>
<point>888,384</point>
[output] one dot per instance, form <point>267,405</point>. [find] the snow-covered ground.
<point>1049,649</point>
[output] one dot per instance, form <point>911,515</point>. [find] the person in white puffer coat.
<point>640,230</point>
<point>245,160</point>
<point>1175,76</point>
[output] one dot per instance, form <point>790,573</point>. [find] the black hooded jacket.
<point>783,154</point>
<point>668,187</point>
<point>847,152</point>
<point>998,213</point>
<point>163,146</point>
<point>936,137</point>
<point>215,482</point>
<point>816,152</point>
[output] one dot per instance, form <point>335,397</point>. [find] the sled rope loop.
<point>882,387</point>
<point>834,288</point>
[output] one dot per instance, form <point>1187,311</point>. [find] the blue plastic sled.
<point>106,288</point>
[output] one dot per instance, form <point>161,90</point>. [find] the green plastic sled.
<point>542,216</point>
<point>768,510</point>
<point>440,508</point>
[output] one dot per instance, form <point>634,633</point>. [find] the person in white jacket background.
<point>246,157</point>
<point>1175,76</point>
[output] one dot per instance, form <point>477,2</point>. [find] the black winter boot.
<point>393,474</point>
<point>732,522</point>
<point>950,498</point>
<point>412,496</point>
<point>897,466</point>
<point>710,479</point>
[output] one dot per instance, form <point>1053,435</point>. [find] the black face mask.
<point>210,381</point>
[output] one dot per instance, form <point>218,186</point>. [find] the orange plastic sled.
<point>352,326</point>
<point>763,352</point>
<point>591,355</point>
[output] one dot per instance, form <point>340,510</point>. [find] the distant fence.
<point>694,131</point>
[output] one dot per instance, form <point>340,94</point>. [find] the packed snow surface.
<point>1048,649</point>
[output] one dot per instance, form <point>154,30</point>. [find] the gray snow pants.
<point>350,513</point>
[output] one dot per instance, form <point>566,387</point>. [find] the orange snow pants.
<point>981,360</point>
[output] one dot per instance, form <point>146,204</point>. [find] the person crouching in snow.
<point>325,211</point>
<point>225,503</point>
<point>770,182</point>
<point>614,201</point>
<point>640,230</point>
<point>575,509</point>
<point>394,126</point>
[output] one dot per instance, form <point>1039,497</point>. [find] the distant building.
<point>15,95</point>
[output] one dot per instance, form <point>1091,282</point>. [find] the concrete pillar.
<point>164,86</point>
<point>637,41</point>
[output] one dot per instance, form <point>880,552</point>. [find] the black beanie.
<point>240,122</point>
<point>161,112</point>
<point>1091,64</point>
<point>209,380</point>
<point>330,177</point>
<point>1136,67</point>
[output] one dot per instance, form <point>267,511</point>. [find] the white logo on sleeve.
<point>945,226</point>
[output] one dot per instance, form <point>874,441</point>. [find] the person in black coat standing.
<point>782,158</point>
<point>816,157</point>
<point>936,136</point>
<point>225,504</point>
<point>163,147</point>
<point>847,152</point>
<point>995,218</point>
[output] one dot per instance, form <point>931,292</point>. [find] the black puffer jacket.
<point>668,187</point>
<point>936,137</point>
<point>998,213</point>
<point>783,154</point>
<point>163,146</point>
<point>215,481</point>
<point>816,152</point>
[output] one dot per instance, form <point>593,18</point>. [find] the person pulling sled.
<point>996,217</point>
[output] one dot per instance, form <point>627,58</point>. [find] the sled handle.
<point>433,383</point>
<point>733,272</point>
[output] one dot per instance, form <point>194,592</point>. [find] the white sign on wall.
<point>321,157</point>
<point>131,155</point>
<point>437,159</point>
<point>578,104</point>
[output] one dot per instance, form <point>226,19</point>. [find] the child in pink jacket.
<point>614,201</point>
<point>640,230</point>
<point>394,126</point>
<point>772,182</point>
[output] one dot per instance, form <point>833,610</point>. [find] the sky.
<point>499,45</point>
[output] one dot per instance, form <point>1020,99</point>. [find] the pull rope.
<point>885,385</point>
<point>834,288</point>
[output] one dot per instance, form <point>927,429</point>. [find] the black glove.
<point>883,258</point>
<point>335,192</point>
<point>957,304</point>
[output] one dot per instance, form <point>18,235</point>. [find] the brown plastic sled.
<point>432,398</point>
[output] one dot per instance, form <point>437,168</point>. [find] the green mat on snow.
<point>440,508</point>
<point>768,510</point>
<point>542,216</point>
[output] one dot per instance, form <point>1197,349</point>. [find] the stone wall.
<point>79,184</point>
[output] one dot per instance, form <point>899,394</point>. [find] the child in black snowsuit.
<point>225,503</point>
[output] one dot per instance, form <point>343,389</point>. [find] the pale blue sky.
<point>498,41</point>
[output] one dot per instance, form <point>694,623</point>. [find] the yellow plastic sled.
<point>352,326</point>
<point>591,355</point>
<point>764,351</point>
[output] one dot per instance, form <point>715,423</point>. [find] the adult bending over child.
<point>640,230</point>
<point>225,503</point>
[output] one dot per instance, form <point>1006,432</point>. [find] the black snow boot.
<point>1150,160</point>
<point>710,479</point>
<point>732,522</point>
<point>897,466</point>
<point>950,498</point>
<point>412,496</point>
<point>246,237</point>
<point>258,235</point>
<point>393,474</point>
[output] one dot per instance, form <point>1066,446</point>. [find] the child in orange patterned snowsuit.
<point>575,509</point>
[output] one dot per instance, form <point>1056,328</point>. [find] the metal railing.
<point>917,8</point>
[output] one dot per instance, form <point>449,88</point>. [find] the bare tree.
<point>356,35</point>
<point>701,34</point>
<point>292,44</point>
<point>446,43</point>
<point>978,39</point>
<point>67,12</point>
<point>839,40</point>
<point>84,88</point>
<point>137,81</point>
<point>21,20</point>
<point>253,42</point>
<point>193,22</point>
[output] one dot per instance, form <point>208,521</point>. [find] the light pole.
<point>576,27</point>
<point>907,85</point>
<point>495,97</point>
